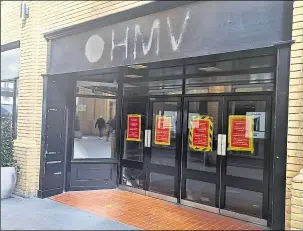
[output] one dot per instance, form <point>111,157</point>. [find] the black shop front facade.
<point>188,93</point>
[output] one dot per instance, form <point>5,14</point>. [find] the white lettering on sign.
<point>176,43</point>
<point>95,44</point>
<point>123,43</point>
<point>146,48</point>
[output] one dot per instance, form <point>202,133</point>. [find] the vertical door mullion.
<point>220,159</point>
<point>147,150</point>
<point>178,149</point>
<point>184,148</point>
<point>267,159</point>
<point>223,159</point>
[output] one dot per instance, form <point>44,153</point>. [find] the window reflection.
<point>201,192</point>
<point>104,88</point>
<point>231,65</point>
<point>230,83</point>
<point>95,125</point>
<point>167,87</point>
<point>244,201</point>
<point>161,183</point>
<point>10,65</point>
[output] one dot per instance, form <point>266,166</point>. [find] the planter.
<point>8,181</point>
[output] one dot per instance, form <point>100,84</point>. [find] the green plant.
<point>7,143</point>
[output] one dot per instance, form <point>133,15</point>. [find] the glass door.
<point>133,171</point>
<point>245,167</point>
<point>163,154</point>
<point>202,124</point>
<point>226,155</point>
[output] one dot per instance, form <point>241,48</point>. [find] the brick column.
<point>295,111</point>
<point>296,222</point>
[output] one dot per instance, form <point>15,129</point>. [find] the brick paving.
<point>148,213</point>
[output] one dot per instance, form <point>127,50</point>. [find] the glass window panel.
<point>198,160</point>
<point>165,154</point>
<point>247,164</point>
<point>133,150</point>
<point>244,201</point>
<point>168,71</point>
<point>133,177</point>
<point>201,192</point>
<point>10,64</point>
<point>231,65</point>
<point>166,87</point>
<point>104,88</point>
<point>95,123</point>
<point>232,83</point>
<point>161,183</point>
<point>9,102</point>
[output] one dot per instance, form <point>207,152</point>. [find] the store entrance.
<point>210,152</point>
<point>150,162</point>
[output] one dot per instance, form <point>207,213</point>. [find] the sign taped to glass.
<point>133,127</point>
<point>259,124</point>
<point>162,130</point>
<point>201,133</point>
<point>240,133</point>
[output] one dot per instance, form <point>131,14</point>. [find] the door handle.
<point>221,147</point>
<point>147,138</point>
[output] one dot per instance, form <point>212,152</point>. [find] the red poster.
<point>200,133</point>
<point>240,133</point>
<point>133,127</point>
<point>162,130</point>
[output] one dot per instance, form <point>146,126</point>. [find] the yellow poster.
<point>162,130</point>
<point>201,134</point>
<point>240,133</point>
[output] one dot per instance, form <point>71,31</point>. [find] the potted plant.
<point>8,164</point>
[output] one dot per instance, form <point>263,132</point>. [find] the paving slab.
<point>19,213</point>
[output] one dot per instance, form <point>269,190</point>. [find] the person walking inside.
<point>101,126</point>
<point>111,127</point>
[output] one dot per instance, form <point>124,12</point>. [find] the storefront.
<point>198,92</point>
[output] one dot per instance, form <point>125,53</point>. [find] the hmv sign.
<point>196,29</point>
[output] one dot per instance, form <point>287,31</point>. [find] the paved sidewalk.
<point>36,214</point>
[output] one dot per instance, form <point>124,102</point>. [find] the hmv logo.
<point>95,45</point>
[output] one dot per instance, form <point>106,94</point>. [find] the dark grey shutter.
<point>52,170</point>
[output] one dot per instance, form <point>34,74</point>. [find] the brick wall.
<point>296,201</point>
<point>295,123</point>
<point>44,16</point>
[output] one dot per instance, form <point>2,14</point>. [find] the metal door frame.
<point>126,162</point>
<point>167,170</point>
<point>223,100</point>
<point>196,174</point>
<point>250,183</point>
<point>146,166</point>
